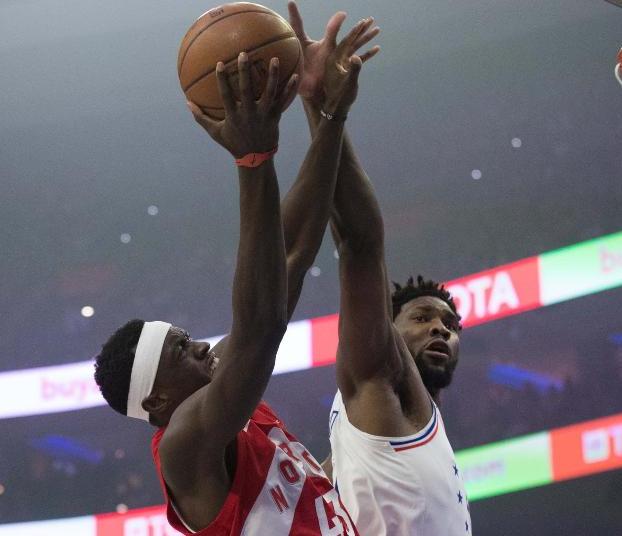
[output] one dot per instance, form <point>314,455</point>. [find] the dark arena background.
<point>492,132</point>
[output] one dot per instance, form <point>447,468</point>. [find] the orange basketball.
<point>220,35</point>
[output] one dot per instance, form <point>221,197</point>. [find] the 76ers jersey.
<point>278,488</point>
<point>398,486</point>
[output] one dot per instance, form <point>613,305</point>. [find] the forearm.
<point>259,285</point>
<point>216,412</point>
<point>356,219</point>
<point>307,206</point>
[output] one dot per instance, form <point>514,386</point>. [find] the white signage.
<point>71,387</point>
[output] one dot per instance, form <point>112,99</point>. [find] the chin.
<point>434,377</point>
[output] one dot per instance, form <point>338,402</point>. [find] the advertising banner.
<point>506,466</point>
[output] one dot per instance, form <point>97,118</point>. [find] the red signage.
<point>503,291</point>
<point>587,448</point>
<point>482,297</point>
<point>324,339</point>
<point>143,522</point>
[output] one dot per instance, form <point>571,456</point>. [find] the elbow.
<point>370,244</point>
<point>280,326</point>
<point>298,263</point>
<point>267,342</point>
<point>366,239</point>
<point>269,331</point>
<point>258,340</point>
<point>264,329</point>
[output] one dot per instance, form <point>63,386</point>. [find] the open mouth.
<point>438,349</point>
<point>212,362</point>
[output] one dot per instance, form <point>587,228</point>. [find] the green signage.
<point>581,269</point>
<point>506,466</point>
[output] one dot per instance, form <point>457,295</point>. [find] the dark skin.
<point>185,366</point>
<point>378,359</point>
<point>205,396</point>
<point>204,415</point>
<point>430,330</point>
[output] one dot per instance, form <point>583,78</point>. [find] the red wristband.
<point>255,159</point>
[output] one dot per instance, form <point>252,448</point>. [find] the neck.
<point>436,395</point>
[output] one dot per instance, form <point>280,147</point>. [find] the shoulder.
<point>185,454</point>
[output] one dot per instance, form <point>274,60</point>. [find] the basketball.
<point>220,35</point>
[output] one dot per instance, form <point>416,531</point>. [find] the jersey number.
<point>333,519</point>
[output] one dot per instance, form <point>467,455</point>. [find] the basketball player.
<point>227,464</point>
<point>392,464</point>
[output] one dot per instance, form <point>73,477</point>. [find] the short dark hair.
<point>113,365</point>
<point>403,294</point>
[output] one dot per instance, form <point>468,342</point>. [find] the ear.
<point>155,403</point>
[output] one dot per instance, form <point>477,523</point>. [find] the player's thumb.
<point>355,67</point>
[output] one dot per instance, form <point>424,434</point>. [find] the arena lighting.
<point>67,448</point>
<point>616,338</point>
<point>519,378</point>
<point>553,277</point>
<point>489,470</point>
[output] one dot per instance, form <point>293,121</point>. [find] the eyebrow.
<point>181,333</point>
<point>433,309</point>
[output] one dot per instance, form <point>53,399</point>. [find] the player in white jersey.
<point>391,461</point>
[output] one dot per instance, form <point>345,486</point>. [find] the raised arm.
<point>367,347</point>
<point>307,206</point>
<point>214,414</point>
<point>372,358</point>
<point>356,221</point>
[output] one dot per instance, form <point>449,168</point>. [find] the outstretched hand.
<point>341,74</point>
<point>249,126</point>
<point>317,52</point>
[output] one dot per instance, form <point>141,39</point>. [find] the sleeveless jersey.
<point>398,486</point>
<point>278,488</point>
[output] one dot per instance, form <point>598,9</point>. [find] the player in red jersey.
<point>227,464</point>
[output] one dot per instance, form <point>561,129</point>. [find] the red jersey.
<point>278,487</point>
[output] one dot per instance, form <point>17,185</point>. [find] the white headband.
<point>618,72</point>
<point>146,361</point>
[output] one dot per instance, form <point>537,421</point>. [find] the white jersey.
<point>398,486</point>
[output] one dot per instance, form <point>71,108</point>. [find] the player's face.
<point>430,330</point>
<point>185,365</point>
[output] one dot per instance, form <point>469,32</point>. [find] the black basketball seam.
<point>181,63</point>
<point>286,78</point>
<point>262,45</point>
<point>272,14</point>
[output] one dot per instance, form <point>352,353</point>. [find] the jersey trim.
<point>423,437</point>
